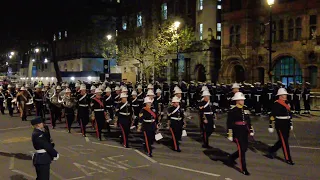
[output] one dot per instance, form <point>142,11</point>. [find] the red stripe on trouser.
<point>284,146</point>
<point>82,130</point>
<point>124,136</point>
<point>174,140</point>
<point>239,150</point>
<point>146,139</point>
<point>97,130</point>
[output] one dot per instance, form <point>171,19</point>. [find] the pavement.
<point>88,158</point>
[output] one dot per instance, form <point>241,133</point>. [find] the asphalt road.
<point>88,158</point>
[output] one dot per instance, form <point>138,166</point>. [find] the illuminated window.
<point>200,5</point>
<point>59,35</point>
<point>139,19</point>
<point>65,33</point>
<point>54,37</point>
<point>218,37</point>
<point>164,11</point>
<point>219,7</point>
<point>124,23</point>
<point>219,27</point>
<point>201,31</point>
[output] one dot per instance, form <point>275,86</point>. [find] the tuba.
<point>68,102</point>
<point>54,99</point>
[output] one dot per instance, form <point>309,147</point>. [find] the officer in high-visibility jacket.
<point>239,127</point>
<point>281,120</point>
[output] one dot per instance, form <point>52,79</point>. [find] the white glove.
<point>252,134</point>
<point>214,126</point>
<point>230,138</point>
<point>291,128</point>
<point>271,130</point>
<point>56,158</point>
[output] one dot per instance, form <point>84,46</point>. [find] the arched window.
<point>287,70</point>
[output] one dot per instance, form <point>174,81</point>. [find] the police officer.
<point>109,108</point>
<point>281,120</point>
<point>306,98</point>
<point>83,108</point>
<point>297,98</point>
<point>257,95</point>
<point>207,115</point>
<point>124,115</point>
<point>45,151</point>
<point>148,124</point>
<point>2,100</point>
<point>176,122</point>
<point>98,113</point>
<point>290,91</point>
<point>239,127</point>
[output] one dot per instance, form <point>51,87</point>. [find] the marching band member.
<point>55,107</point>
<point>235,88</point>
<point>141,95</point>
<point>2,100</point>
<point>136,107</point>
<point>297,98</point>
<point>239,126</point>
<point>124,114</point>
<point>148,124</point>
<point>116,96</point>
<point>9,98</point>
<point>98,114</point>
<point>38,100</point>
<point>108,102</point>
<point>306,98</point>
<point>92,92</point>
<point>83,108</point>
<point>160,105</point>
<point>207,114</point>
<point>176,122</point>
<point>68,102</point>
<point>22,98</point>
<point>281,120</point>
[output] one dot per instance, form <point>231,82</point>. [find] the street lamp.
<point>37,50</point>
<point>109,37</point>
<point>45,60</point>
<point>270,3</point>
<point>33,60</point>
<point>176,25</point>
<point>12,53</point>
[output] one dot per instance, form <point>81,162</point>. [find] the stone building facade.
<point>295,41</point>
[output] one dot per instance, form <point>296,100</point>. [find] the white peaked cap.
<point>158,91</point>
<point>108,89</point>
<point>150,86</point>
<point>100,87</point>
<point>204,88</point>
<point>63,84</point>
<point>92,88</point>
<point>17,86</point>
<point>206,93</point>
<point>83,87</point>
<point>9,86</point>
<point>176,88</point>
<point>139,87</point>
<point>77,85</point>
<point>235,86</point>
<point>147,100</point>
<point>98,90</point>
<point>117,88</point>
<point>178,91</point>
<point>124,89</point>
<point>150,93</point>
<point>37,86</point>
<point>68,90</point>
<point>175,99</point>
<point>282,91</point>
<point>43,89</point>
<point>1,87</point>
<point>238,96</point>
<point>67,85</point>
<point>123,95</point>
<point>22,88</point>
<point>27,85</point>
<point>58,87</point>
<point>46,84</point>
<point>134,93</point>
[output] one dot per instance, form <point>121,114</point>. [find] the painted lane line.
<point>56,175</point>
<point>191,170</point>
<point>11,165</point>
<point>22,127</point>
<point>81,177</point>
<point>302,147</point>
<point>87,139</point>
<point>111,145</point>
<point>227,178</point>
<point>23,173</point>
<point>145,156</point>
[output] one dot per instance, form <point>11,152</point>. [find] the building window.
<point>65,33</point>
<point>54,37</point>
<point>281,32</point>
<point>218,37</point>
<point>124,23</point>
<point>274,31</point>
<point>139,19</point>
<point>234,35</point>
<point>219,27</point>
<point>287,70</point>
<point>164,11</point>
<point>219,6</point>
<point>200,5</point>
<point>298,28</point>
<point>201,31</point>
<point>59,35</point>
<point>290,29</point>
<point>313,26</point>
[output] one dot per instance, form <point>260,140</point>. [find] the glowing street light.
<point>12,53</point>
<point>37,50</point>
<point>33,60</point>
<point>47,78</point>
<point>7,63</point>
<point>45,60</point>
<point>109,37</point>
<point>10,56</point>
<point>270,2</point>
<point>72,78</point>
<point>176,24</point>
<point>89,78</point>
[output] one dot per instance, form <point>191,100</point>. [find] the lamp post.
<point>270,3</point>
<point>176,25</point>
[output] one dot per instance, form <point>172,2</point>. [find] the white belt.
<point>83,105</point>
<point>99,110</point>
<point>125,114</point>
<point>40,151</point>
<point>258,97</point>
<point>208,113</point>
<point>148,120</point>
<point>140,99</point>
<point>109,106</point>
<point>175,118</point>
<point>38,99</point>
<point>283,117</point>
<point>135,105</point>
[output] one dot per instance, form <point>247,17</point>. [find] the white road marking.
<point>22,127</point>
<point>87,139</point>
<point>227,178</point>
<point>11,165</point>
<point>81,177</point>
<point>145,156</point>
<point>56,175</point>
<point>191,170</point>
<point>111,145</point>
<point>23,173</point>
<point>302,147</point>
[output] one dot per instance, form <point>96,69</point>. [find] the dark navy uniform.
<point>9,97</point>
<point>184,89</point>
<point>38,101</point>
<point>124,114</point>
<point>69,110</point>
<point>207,113</point>
<point>160,107</point>
<point>148,123</point>
<point>217,97</point>
<point>290,91</point>
<point>269,98</point>
<point>257,95</point>
<point>109,108</point>
<point>239,127</point>
<point>2,100</point>
<point>176,117</point>
<point>192,95</point>
<point>83,111</point>
<point>116,99</point>
<point>306,99</point>
<point>166,93</point>
<point>136,107</point>
<point>297,98</point>
<point>281,116</point>
<point>140,97</point>
<point>99,115</point>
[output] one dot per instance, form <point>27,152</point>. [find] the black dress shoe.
<point>290,162</point>
<point>84,135</point>
<point>150,155</point>
<point>178,150</point>
<point>245,172</point>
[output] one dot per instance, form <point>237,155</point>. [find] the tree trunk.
<point>55,63</point>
